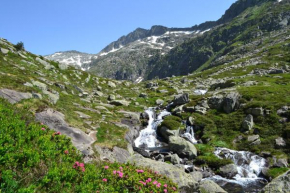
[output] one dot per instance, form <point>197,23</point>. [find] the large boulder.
<point>13,96</point>
<point>231,102</point>
<point>228,171</point>
<point>166,133</point>
<point>182,147</point>
<point>56,121</point>
<point>227,103</point>
<point>254,140</point>
<point>280,142</point>
<point>248,123</point>
<point>46,65</point>
<point>208,186</point>
<point>180,99</point>
<point>258,111</point>
<point>116,154</point>
<point>281,184</point>
<point>120,103</point>
<point>4,51</point>
<point>186,182</point>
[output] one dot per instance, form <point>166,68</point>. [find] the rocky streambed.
<point>245,174</point>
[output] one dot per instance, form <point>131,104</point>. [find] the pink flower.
<point>149,179</point>
<point>155,182</point>
<point>43,129</point>
<point>83,169</point>
<point>106,167</point>
<point>158,185</point>
<point>142,183</point>
<point>173,188</point>
<point>41,123</point>
<point>121,175</point>
<point>66,151</point>
<point>121,168</point>
<point>156,172</point>
<point>165,190</point>
<point>105,180</point>
<point>165,185</point>
<point>140,171</point>
<point>114,172</point>
<point>77,164</point>
<point>82,165</point>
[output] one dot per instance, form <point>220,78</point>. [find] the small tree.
<point>19,46</point>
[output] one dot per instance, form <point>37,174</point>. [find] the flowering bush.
<point>36,159</point>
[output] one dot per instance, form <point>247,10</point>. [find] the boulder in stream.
<point>281,184</point>
<point>182,147</point>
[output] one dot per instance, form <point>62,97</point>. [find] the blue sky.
<point>47,26</point>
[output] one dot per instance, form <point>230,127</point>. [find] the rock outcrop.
<point>281,184</point>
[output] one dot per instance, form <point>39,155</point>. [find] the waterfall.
<point>248,164</point>
<point>189,135</point>
<point>147,136</point>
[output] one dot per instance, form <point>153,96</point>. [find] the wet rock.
<point>254,140</point>
<point>186,182</point>
<point>228,171</point>
<point>248,123</point>
<point>190,121</point>
<point>56,121</point>
<point>208,186</point>
<point>142,152</point>
<point>180,99</point>
<point>280,142</point>
<point>281,184</point>
<point>120,103</point>
<point>166,133</point>
<point>14,96</point>
<point>182,147</point>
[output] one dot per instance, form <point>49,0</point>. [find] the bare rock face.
<point>55,120</point>
<point>182,147</point>
<point>181,99</point>
<point>117,154</point>
<point>248,123</point>
<point>208,186</point>
<point>227,103</point>
<point>14,96</point>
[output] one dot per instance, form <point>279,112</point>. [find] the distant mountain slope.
<point>227,42</point>
<point>73,58</point>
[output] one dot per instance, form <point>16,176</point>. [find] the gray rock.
<point>61,86</point>
<point>216,101</point>
<point>276,71</point>
<point>190,121</point>
<point>281,163</point>
<point>39,85</point>
<point>280,142</point>
<point>134,117</point>
<point>258,111</point>
<point>200,110</point>
<point>182,147</point>
<point>83,115</point>
<point>166,133</point>
<point>115,155</point>
<point>143,95</point>
<point>111,84</point>
<point>111,97</point>
<point>4,51</point>
<point>197,176</point>
<point>254,140</point>
<point>46,65</point>
<point>228,171</point>
<point>120,103</point>
<point>53,98</point>
<point>159,102</point>
<point>56,121</point>
<point>98,93</point>
<point>151,84</point>
<point>181,99</point>
<point>281,184</point>
<point>62,66</point>
<point>248,123</point>
<point>231,102</point>
<point>186,182</point>
<point>14,96</point>
<point>208,186</point>
<point>37,96</point>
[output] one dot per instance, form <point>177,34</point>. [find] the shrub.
<point>19,46</point>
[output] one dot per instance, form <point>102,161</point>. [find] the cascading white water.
<point>148,135</point>
<point>249,165</point>
<point>189,135</point>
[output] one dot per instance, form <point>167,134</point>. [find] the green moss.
<point>171,122</point>
<point>275,172</point>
